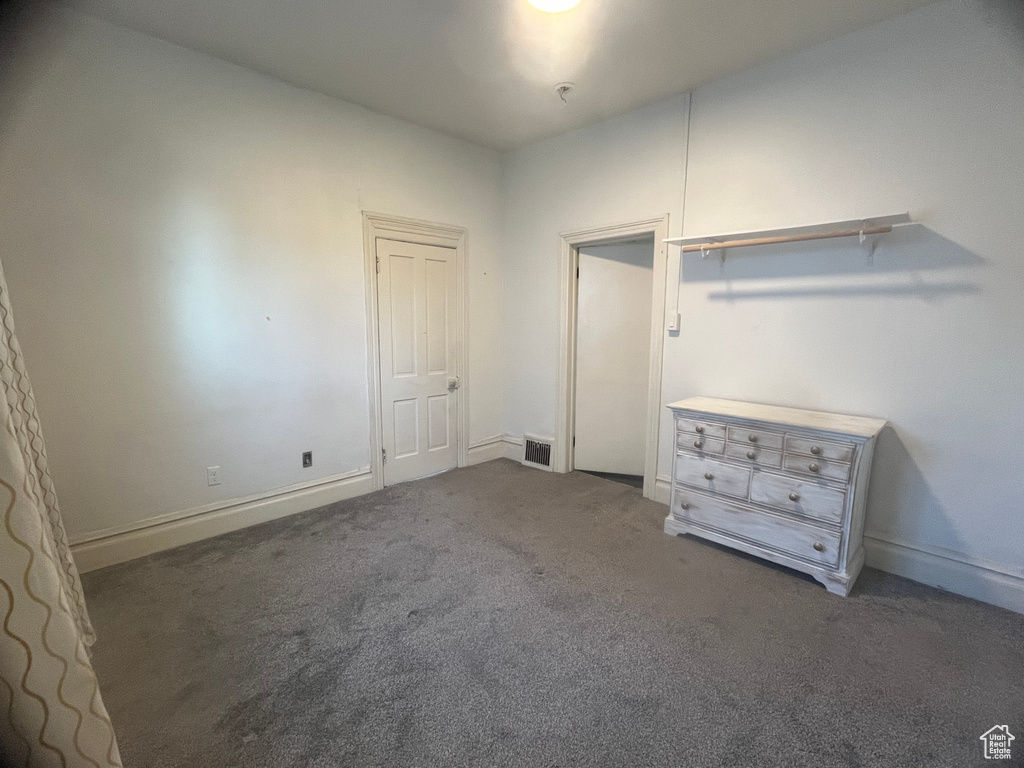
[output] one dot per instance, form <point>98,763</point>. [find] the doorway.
<point>416,303</point>
<point>613,328</point>
<point>652,230</point>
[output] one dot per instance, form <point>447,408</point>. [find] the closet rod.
<point>712,245</point>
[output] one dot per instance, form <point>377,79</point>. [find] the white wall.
<point>926,113</point>
<point>183,243</point>
<point>158,206</point>
<point>621,170</point>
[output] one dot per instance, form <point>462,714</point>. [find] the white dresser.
<point>784,484</point>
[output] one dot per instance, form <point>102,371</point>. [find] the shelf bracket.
<point>868,242</point>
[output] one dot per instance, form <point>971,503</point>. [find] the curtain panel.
<point>51,711</point>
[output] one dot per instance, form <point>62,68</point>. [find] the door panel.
<point>437,418</point>
<point>613,338</point>
<point>416,299</point>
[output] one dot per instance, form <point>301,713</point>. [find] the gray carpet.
<point>502,616</point>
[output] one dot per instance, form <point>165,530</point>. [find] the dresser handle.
<point>819,547</point>
<point>751,455</point>
<point>698,429</point>
<point>684,505</point>
<point>752,438</point>
<point>708,476</point>
<point>698,443</point>
<point>813,467</point>
<point>815,450</point>
<point>794,497</point>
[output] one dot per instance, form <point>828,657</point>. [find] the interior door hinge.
<point>574,441</point>
<point>378,265</point>
<point>384,455</point>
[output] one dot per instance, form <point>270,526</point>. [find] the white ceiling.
<point>485,70</point>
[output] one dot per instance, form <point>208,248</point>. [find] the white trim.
<point>663,489</point>
<point>569,245</point>
<point>382,225</point>
<point>513,447</point>
<point>118,545</point>
<point>486,450</point>
<point>953,571</point>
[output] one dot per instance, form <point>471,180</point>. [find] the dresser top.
<point>861,426</point>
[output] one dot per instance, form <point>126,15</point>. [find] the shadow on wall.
<point>899,489</point>
<point>913,250</point>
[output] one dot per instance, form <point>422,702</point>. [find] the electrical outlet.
<point>307,459</point>
<point>213,475</point>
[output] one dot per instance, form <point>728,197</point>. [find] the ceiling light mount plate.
<point>564,89</point>
<point>553,6</point>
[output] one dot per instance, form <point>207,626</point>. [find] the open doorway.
<point>613,329</point>
<point>611,344</point>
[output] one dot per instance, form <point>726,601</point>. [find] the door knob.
<point>453,383</point>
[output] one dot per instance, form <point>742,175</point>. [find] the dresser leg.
<point>842,583</point>
<point>834,583</point>
<point>675,528</point>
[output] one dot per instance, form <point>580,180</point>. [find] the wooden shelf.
<point>873,225</point>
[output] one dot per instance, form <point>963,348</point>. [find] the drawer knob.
<point>752,438</point>
<point>699,429</point>
<point>708,476</point>
<point>794,497</point>
<point>698,443</point>
<point>815,450</point>
<point>751,455</point>
<point>818,546</point>
<point>813,467</point>
<point>684,505</point>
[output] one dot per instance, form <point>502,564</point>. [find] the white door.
<point>419,382</point>
<point>613,339</point>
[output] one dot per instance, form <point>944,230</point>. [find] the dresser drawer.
<point>756,437</point>
<point>808,446</point>
<point>800,496</point>
<point>693,442</point>
<point>711,475</point>
<point>816,467</point>
<point>759,457</point>
<point>696,426</point>
<point>782,534</point>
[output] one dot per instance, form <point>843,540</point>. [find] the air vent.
<point>537,452</point>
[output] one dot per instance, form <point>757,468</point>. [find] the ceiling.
<point>486,70</point>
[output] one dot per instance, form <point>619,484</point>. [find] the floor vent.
<point>537,453</point>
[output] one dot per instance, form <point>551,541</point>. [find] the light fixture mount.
<point>553,6</point>
<point>562,89</point>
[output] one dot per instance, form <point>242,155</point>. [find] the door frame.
<point>388,227</point>
<point>570,243</point>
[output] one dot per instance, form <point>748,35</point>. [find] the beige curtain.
<point>51,712</point>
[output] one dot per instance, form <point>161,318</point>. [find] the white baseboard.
<point>485,450</point>
<point>662,489</point>
<point>948,570</point>
<point>110,547</point>
<point>513,447</point>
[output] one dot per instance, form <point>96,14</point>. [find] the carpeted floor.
<point>502,616</point>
